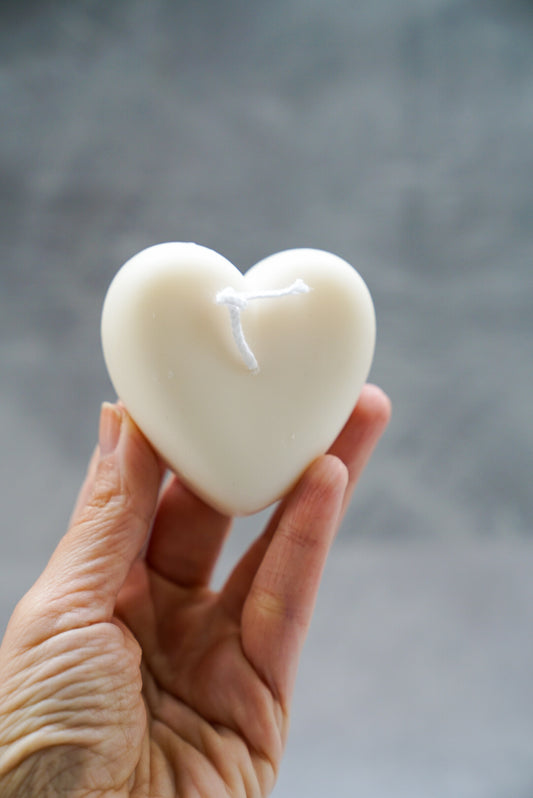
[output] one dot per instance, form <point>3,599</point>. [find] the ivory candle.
<point>239,382</point>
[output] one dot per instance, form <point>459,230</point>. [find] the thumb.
<point>109,526</point>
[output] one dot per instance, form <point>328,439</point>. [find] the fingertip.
<point>321,489</point>
<point>331,471</point>
<point>126,474</point>
<point>111,417</point>
<point>119,433</point>
<point>375,404</point>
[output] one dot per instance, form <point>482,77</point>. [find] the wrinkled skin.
<point>123,674</point>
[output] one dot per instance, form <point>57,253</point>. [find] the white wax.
<point>239,438</point>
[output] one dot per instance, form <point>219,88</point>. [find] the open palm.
<point>123,674</point>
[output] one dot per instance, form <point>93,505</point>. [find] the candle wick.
<point>237,301</point>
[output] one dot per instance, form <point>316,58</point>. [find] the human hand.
<point>123,674</point>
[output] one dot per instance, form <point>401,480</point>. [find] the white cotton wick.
<point>237,301</point>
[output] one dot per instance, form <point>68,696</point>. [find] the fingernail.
<point>110,424</point>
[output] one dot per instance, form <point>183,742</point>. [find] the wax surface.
<point>238,438</point>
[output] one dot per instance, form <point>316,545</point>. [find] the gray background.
<point>399,135</point>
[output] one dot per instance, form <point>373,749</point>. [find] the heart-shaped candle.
<point>239,381</point>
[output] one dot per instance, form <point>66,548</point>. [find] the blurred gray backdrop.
<point>400,136</point>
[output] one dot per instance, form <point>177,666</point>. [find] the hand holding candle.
<point>239,382</point>
<point>122,671</point>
